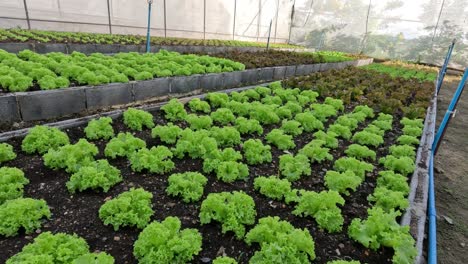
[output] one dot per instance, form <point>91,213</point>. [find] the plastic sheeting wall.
<point>407,30</point>
<point>418,30</point>
<point>203,19</point>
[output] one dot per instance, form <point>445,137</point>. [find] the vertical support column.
<point>234,23</point>
<point>259,18</point>
<point>364,38</point>
<point>449,114</point>
<point>269,33</point>
<point>165,28</point>
<point>150,2</point>
<point>204,19</point>
<point>276,20</point>
<point>109,17</point>
<point>443,70</point>
<point>27,14</point>
<point>292,20</point>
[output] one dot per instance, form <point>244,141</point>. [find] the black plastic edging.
<point>415,215</point>
<point>69,123</point>
<point>43,105</point>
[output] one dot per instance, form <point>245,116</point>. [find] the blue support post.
<point>432,215</point>
<point>449,113</point>
<point>443,70</point>
<point>149,26</point>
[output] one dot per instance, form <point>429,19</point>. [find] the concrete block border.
<point>43,105</point>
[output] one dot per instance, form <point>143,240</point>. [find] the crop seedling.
<point>224,260</point>
<point>12,182</point>
<point>393,181</point>
<point>6,152</point>
<point>41,138</point>
<point>197,105</point>
<point>223,116</point>
<point>273,187</point>
<point>328,137</point>
<point>59,248</point>
<point>323,111</point>
<point>155,160</point>
<point>195,144</point>
<point>342,182</point>
<point>174,110</point>
<point>130,208</point>
<point>279,240</point>
<point>360,152</point>
<point>199,122</point>
<point>248,126</point>
<point>98,174</point>
<point>309,122</point>
<point>71,157</point>
<point>368,139</point>
<point>167,134</point>
<point>123,145</point>
<point>23,213</point>
<point>388,199</point>
<point>280,140</point>
<point>265,114</point>
<point>293,167</point>
<point>351,164</point>
<point>315,151</point>
<point>403,151</point>
<point>137,119</point>
<point>166,242</point>
<point>403,165</point>
<point>233,210</point>
<point>99,128</point>
<point>291,127</point>
<point>340,131</point>
<point>255,152</point>
<point>217,99</point>
<point>226,136</point>
<point>323,207</point>
<point>189,185</point>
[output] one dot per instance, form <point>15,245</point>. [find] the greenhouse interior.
<point>233,131</point>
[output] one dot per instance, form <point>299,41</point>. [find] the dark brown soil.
<point>451,181</point>
<point>78,213</point>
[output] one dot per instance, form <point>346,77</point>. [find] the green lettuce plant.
<point>124,145</point>
<point>248,126</point>
<point>99,128</point>
<point>280,242</point>
<point>42,138</point>
<point>189,185</point>
<point>167,134</point>
<point>71,157</point>
<point>6,152</point>
<point>197,122</point>
<point>273,187</point>
<point>368,139</point>
<point>280,140</point>
<point>174,110</point>
<point>233,210</point>
<point>155,160</point>
<point>137,119</point>
<point>223,116</point>
<point>12,182</point>
<point>166,242</point>
<point>309,121</point>
<point>226,136</point>
<point>98,174</point>
<point>293,167</point>
<point>360,152</point>
<point>315,151</point>
<point>197,105</point>
<point>255,152</point>
<point>291,127</point>
<point>130,208</point>
<point>352,164</point>
<point>342,182</point>
<point>23,213</point>
<point>323,207</point>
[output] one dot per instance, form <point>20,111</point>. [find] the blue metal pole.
<point>448,114</point>
<point>149,27</point>
<point>432,247</point>
<point>443,70</point>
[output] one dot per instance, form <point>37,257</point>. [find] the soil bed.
<point>78,213</point>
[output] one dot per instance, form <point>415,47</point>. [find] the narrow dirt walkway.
<point>451,179</point>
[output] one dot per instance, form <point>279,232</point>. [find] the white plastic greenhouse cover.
<point>419,30</point>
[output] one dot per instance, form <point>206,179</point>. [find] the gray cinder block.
<point>144,90</point>
<point>51,104</point>
<point>211,81</point>
<point>9,111</point>
<point>185,84</point>
<point>108,95</point>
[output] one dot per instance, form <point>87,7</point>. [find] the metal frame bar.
<point>109,16</point>
<point>450,113</point>
<point>234,22</point>
<point>443,70</point>
<point>27,14</point>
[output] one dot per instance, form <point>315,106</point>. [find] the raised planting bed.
<point>270,58</point>
<point>98,68</point>
<point>49,41</point>
<point>331,163</point>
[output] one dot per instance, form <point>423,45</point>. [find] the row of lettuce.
<point>214,128</point>
<point>42,36</point>
<point>58,70</point>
